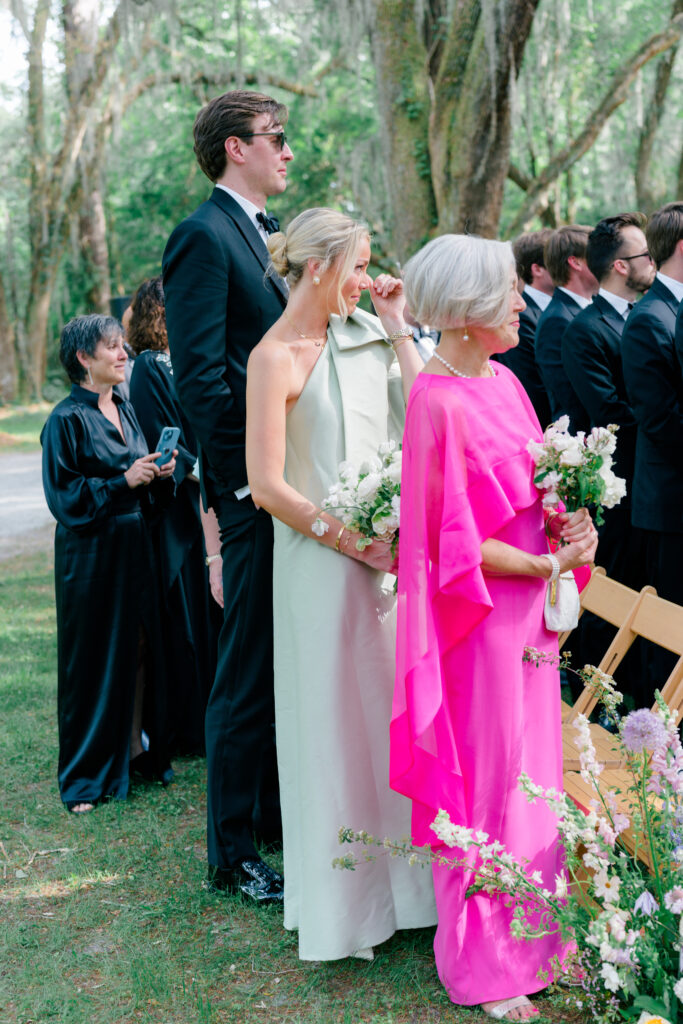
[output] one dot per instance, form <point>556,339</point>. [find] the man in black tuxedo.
<point>618,256</point>
<point>565,259</point>
<point>655,388</point>
<point>537,292</point>
<point>219,304</point>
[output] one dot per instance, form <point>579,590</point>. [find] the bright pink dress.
<point>469,716</point>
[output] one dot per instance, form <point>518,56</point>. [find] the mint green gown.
<point>335,635</point>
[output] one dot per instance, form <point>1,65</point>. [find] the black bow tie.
<point>271,224</point>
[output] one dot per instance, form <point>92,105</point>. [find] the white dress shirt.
<point>577,298</point>
<point>672,284</point>
<point>251,209</point>
<point>622,306</point>
<point>540,298</point>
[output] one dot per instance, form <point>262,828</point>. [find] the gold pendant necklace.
<point>319,343</point>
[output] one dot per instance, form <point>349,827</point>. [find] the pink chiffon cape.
<point>469,716</point>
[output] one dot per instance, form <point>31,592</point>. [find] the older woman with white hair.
<point>469,715</point>
<point>328,383</point>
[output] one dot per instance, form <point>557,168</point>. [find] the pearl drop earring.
<point>316,279</point>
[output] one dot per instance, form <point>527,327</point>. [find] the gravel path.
<point>26,524</point>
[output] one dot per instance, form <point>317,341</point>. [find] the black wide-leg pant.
<point>243,793</point>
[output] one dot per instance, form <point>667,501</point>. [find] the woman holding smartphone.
<point>189,632</point>
<point>98,478</point>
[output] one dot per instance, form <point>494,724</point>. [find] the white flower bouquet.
<point>577,469</point>
<point>367,499</point>
<point>626,922</point>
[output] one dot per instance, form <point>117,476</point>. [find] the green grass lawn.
<point>103,917</point>
<point>20,428</point>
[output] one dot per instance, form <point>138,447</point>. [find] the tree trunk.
<point>95,249</point>
<point>8,361</point>
<point>471,114</point>
<point>80,19</point>
<point>403,101</point>
<point>645,191</point>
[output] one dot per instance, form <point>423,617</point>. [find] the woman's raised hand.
<point>387,297</point>
<point>143,471</point>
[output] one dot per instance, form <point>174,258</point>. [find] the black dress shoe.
<point>253,878</point>
<point>145,767</point>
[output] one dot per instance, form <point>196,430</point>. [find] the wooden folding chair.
<point>660,622</point>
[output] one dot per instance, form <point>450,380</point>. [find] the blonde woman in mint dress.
<point>326,385</point>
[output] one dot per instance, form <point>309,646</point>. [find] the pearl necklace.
<point>320,343</point>
<point>459,373</point>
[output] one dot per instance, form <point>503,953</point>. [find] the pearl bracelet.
<point>556,567</point>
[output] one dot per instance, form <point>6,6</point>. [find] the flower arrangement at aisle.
<point>577,469</point>
<point>367,499</point>
<point>625,922</point>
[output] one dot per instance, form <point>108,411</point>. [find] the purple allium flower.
<point>643,730</point>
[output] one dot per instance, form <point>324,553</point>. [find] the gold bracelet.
<point>337,542</point>
<point>399,343</point>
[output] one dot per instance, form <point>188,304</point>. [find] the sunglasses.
<point>280,136</point>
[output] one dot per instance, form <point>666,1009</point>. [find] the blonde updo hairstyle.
<point>456,280</point>
<point>318,234</point>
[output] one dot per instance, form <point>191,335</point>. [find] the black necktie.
<point>271,224</point>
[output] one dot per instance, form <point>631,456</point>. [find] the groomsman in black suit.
<point>618,256</point>
<point>565,259</point>
<point>219,304</point>
<point>655,388</point>
<point>537,292</point>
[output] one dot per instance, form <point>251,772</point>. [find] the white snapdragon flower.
<point>367,487</point>
<point>572,454</point>
<point>678,990</point>
<point>371,465</point>
<point>387,447</point>
<point>610,976</point>
<point>348,473</point>
<point>320,527</point>
<point>393,472</point>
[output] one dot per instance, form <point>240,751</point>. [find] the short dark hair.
<point>606,240</point>
<point>232,113</point>
<point>147,324</point>
<point>569,240</point>
<point>664,232</point>
<point>83,334</point>
<point>528,249</point>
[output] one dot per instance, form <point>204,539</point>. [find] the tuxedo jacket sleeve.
<point>655,389</point>
<point>522,361</point>
<point>591,356</point>
<point>548,345</point>
<point>219,304</point>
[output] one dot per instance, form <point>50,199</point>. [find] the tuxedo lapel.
<point>659,289</point>
<point>609,315</point>
<point>250,235</point>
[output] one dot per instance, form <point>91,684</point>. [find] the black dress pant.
<point>664,569</point>
<point>621,553</point>
<point>240,732</point>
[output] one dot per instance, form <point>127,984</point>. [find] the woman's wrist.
<point>552,563</point>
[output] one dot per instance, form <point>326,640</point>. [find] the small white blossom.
<point>320,527</point>
<point>611,977</point>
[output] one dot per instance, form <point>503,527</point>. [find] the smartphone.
<point>167,442</point>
